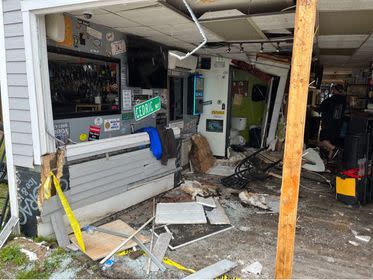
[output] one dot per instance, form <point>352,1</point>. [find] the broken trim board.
<point>180,213</point>
<point>209,201</point>
<point>218,216</point>
<point>197,232</point>
<point>99,244</point>
<point>160,248</point>
<point>213,271</point>
<point>7,230</point>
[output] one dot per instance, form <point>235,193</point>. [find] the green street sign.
<point>147,108</point>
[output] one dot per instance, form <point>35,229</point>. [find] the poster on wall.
<point>94,133</point>
<point>112,124</point>
<point>118,47</point>
<point>62,132</point>
<point>240,87</point>
<point>93,32</point>
<point>126,100</point>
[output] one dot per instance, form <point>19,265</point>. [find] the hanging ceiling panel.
<point>236,29</point>
<point>152,21</point>
<point>221,14</point>
<point>274,21</point>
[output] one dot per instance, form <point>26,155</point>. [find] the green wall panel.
<point>249,109</point>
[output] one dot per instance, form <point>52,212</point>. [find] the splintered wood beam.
<point>298,92</point>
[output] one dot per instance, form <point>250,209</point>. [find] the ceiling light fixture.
<point>278,47</point>
<point>261,47</point>
<point>229,49</point>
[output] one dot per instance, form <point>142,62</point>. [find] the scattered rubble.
<point>195,188</point>
<point>353,243</point>
<point>263,201</point>
<point>254,268</point>
<point>31,255</point>
<point>364,238</point>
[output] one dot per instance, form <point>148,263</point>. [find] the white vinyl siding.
<point>19,106</point>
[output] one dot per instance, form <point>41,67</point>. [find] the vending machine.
<point>195,94</point>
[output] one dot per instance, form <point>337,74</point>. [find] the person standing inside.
<point>332,111</point>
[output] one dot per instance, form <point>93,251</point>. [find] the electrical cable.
<point>200,31</point>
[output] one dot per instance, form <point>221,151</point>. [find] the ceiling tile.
<point>234,29</point>
<point>221,14</point>
<point>346,23</point>
<point>91,11</point>
<point>131,6</point>
<point>112,20</point>
<point>274,21</point>
<point>334,59</point>
<point>341,41</point>
<point>338,51</point>
<point>139,31</point>
<point>344,5</point>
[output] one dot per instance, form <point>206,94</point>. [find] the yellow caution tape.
<point>177,265</point>
<point>227,277</point>
<point>124,252</point>
<point>69,213</point>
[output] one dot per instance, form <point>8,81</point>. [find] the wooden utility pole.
<point>298,92</point>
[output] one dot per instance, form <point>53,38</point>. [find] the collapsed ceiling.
<point>240,29</point>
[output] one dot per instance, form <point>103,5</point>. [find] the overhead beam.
<point>300,73</point>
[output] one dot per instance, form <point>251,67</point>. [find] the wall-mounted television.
<point>147,63</point>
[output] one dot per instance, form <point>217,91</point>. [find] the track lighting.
<point>261,47</point>
<point>241,48</point>
<point>229,49</point>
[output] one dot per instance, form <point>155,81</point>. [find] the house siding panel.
<point>19,106</point>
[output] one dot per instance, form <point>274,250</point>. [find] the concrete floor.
<point>324,230</point>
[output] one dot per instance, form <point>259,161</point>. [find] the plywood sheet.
<point>99,245</point>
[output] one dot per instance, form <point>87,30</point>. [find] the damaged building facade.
<point>117,98</point>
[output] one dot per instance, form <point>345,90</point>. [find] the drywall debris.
<point>160,248</point>
<point>31,255</point>
<point>244,229</point>
<point>317,164</point>
<point>254,268</point>
<point>180,213</point>
<point>329,259</point>
<point>213,271</point>
<point>364,238</point>
<point>353,243</point>
<point>262,201</point>
<point>217,216</point>
<point>209,202</point>
<point>195,188</point>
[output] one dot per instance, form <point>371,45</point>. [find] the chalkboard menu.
<point>28,181</point>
